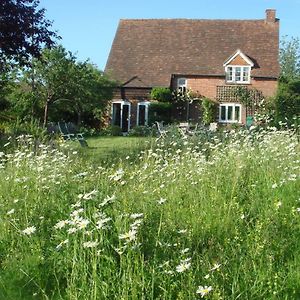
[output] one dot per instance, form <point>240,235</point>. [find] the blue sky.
<point>88,27</point>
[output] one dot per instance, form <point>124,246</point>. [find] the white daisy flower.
<point>161,201</point>
<point>10,212</point>
<point>136,216</point>
<point>215,267</point>
<point>128,236</point>
<point>90,244</point>
<point>29,230</point>
<point>203,290</point>
<point>61,224</point>
<point>183,266</point>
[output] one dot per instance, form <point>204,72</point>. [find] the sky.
<point>88,27</point>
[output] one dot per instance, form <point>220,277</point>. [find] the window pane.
<point>116,116</point>
<point>181,82</point>
<point>223,113</point>
<point>246,73</point>
<point>229,112</point>
<point>237,113</point>
<point>238,74</point>
<point>142,115</point>
<point>229,74</point>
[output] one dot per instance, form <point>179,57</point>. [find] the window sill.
<point>238,82</point>
<point>230,122</point>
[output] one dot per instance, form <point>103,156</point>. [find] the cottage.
<point>210,57</point>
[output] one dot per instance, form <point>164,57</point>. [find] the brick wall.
<point>207,86</point>
<point>130,93</point>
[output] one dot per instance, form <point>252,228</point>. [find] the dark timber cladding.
<point>149,51</point>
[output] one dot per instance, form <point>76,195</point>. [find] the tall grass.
<point>217,218</point>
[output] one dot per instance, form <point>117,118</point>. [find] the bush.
<point>142,131</point>
<point>112,130</point>
<point>160,111</point>
<point>18,127</point>
<point>161,94</point>
<point>87,131</point>
<point>287,101</point>
<point>208,111</point>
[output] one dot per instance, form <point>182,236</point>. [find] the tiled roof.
<point>154,49</point>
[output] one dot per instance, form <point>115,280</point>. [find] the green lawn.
<point>107,148</point>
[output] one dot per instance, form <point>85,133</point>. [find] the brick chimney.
<point>271,15</point>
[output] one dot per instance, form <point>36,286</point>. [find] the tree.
<point>91,91</point>
<point>289,57</point>
<point>58,82</point>
<point>287,101</point>
<point>24,30</point>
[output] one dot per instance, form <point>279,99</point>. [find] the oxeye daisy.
<point>203,290</point>
<point>29,230</point>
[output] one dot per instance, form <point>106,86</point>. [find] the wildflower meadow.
<point>215,216</point>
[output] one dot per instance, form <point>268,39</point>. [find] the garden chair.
<point>160,129</point>
<point>249,121</point>
<point>62,126</point>
<point>78,135</point>
<point>68,132</point>
<point>185,129</point>
<point>71,129</point>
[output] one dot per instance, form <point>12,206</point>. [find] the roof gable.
<point>238,58</point>
<point>155,49</point>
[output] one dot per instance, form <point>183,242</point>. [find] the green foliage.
<point>161,94</point>
<point>287,101</point>
<point>112,130</point>
<point>24,30</point>
<point>10,131</point>
<point>142,131</point>
<point>244,95</point>
<point>208,111</point>
<point>160,111</point>
<point>189,95</point>
<point>289,57</point>
<point>57,87</point>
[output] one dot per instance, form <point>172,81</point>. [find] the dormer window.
<point>238,68</point>
<point>237,74</point>
<point>182,84</point>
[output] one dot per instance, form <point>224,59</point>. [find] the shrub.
<point>287,101</point>
<point>161,94</point>
<point>208,111</point>
<point>141,131</point>
<point>160,111</point>
<point>112,130</point>
<point>16,128</point>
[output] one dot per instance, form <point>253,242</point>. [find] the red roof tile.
<point>155,49</point>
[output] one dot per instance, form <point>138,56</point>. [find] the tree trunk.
<point>78,118</point>
<point>46,113</point>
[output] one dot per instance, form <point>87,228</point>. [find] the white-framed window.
<point>230,113</point>
<point>238,74</point>
<point>120,111</point>
<point>142,113</point>
<point>182,84</point>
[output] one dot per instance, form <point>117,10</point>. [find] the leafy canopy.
<point>287,101</point>
<point>24,30</point>
<point>59,87</point>
<point>290,57</point>
<point>161,94</point>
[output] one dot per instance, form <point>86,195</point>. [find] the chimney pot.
<point>271,15</point>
